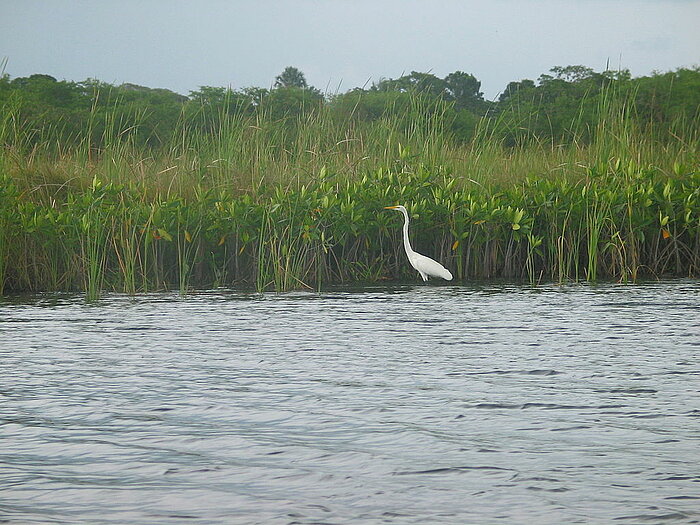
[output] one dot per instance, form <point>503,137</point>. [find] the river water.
<point>386,404</point>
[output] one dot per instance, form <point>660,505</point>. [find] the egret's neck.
<point>406,242</point>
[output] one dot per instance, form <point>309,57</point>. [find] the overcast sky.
<point>340,44</point>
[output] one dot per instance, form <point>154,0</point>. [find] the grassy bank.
<point>276,204</point>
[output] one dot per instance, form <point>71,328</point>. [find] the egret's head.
<point>397,208</point>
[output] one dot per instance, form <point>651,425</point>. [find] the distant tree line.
<point>565,105</point>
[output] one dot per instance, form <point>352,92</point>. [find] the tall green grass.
<point>298,202</point>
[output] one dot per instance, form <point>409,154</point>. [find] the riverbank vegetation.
<point>578,176</point>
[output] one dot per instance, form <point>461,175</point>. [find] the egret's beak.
<point>390,207</point>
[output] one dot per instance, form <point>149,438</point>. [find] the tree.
<point>291,77</point>
<point>210,96</point>
<point>514,89</point>
<point>572,73</point>
<point>458,87</point>
<point>415,82</point>
<point>463,89</point>
<point>256,95</point>
<point>291,102</point>
<point>371,105</point>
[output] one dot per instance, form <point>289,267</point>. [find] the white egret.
<point>425,265</point>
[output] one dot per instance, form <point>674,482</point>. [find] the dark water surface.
<point>409,404</point>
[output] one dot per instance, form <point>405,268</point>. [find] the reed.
<point>93,229</point>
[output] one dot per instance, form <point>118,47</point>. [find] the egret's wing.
<point>430,267</point>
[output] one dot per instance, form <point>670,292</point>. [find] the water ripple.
<point>401,404</point>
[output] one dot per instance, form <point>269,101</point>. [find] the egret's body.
<point>426,266</point>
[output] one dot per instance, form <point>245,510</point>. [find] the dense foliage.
<point>580,175</point>
<point>563,106</point>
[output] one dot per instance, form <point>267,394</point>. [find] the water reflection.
<point>401,404</point>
